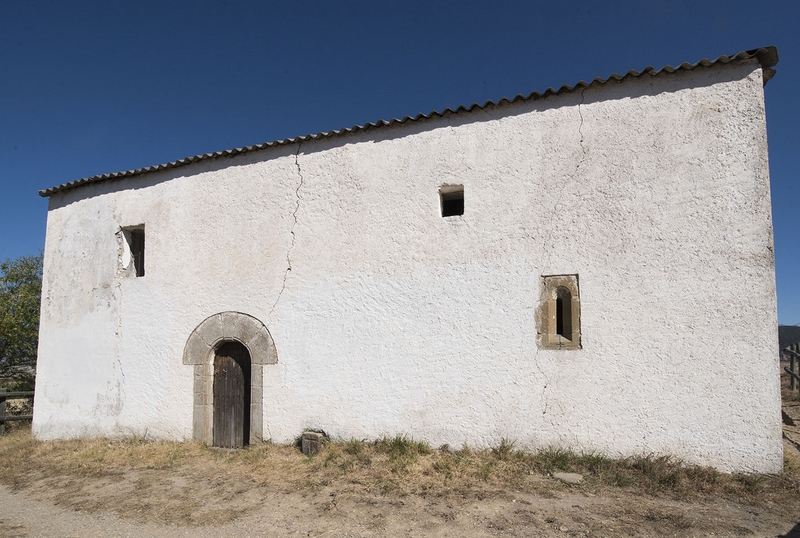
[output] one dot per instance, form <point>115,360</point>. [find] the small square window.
<point>452,199</point>
<point>131,251</point>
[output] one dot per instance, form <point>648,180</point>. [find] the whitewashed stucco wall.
<point>655,191</point>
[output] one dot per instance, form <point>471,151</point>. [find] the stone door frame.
<point>199,352</point>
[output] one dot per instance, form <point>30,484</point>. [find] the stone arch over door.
<point>200,351</point>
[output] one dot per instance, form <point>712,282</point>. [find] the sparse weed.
<point>621,479</point>
<point>552,459</point>
<point>444,465</point>
<point>486,468</point>
<point>402,448</point>
<point>504,450</point>
<point>354,447</point>
<point>752,483</point>
<point>596,463</point>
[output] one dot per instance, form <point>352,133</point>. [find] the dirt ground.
<point>138,489</point>
<point>326,513</point>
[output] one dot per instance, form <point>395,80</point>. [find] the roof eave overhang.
<point>766,56</point>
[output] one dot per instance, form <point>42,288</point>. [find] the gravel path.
<point>576,516</point>
<point>22,517</point>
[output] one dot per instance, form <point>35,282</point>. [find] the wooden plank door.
<point>231,396</point>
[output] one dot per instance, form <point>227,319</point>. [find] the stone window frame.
<point>548,336</point>
<point>200,351</point>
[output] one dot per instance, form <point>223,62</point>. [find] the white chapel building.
<point>588,268</point>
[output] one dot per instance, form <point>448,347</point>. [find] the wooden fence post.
<point>2,410</point>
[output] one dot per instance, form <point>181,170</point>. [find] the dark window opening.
<point>452,200</point>
<point>137,250</point>
<point>560,316</point>
<point>564,313</point>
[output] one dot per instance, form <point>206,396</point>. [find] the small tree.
<point>20,296</point>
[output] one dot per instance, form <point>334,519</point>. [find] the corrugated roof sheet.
<point>767,57</point>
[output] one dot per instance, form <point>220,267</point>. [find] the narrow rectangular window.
<point>137,250</point>
<point>130,245</point>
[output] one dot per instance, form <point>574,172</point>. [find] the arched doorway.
<point>200,352</point>
<point>231,395</point>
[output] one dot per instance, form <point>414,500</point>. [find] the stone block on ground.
<point>569,478</point>
<point>311,442</point>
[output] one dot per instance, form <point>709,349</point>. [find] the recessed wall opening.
<point>232,387</point>
<point>452,200</point>
<point>131,251</point>
<point>218,336</point>
<point>559,313</point>
<point>564,313</point>
<point>137,250</point>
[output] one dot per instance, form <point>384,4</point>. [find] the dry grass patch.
<point>188,483</point>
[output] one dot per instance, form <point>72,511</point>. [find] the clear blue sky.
<point>97,87</point>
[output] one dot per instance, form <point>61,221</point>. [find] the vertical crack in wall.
<point>580,144</point>
<point>580,132</point>
<point>550,221</point>
<point>545,383</point>
<point>117,298</point>
<point>291,230</point>
<point>547,244</point>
